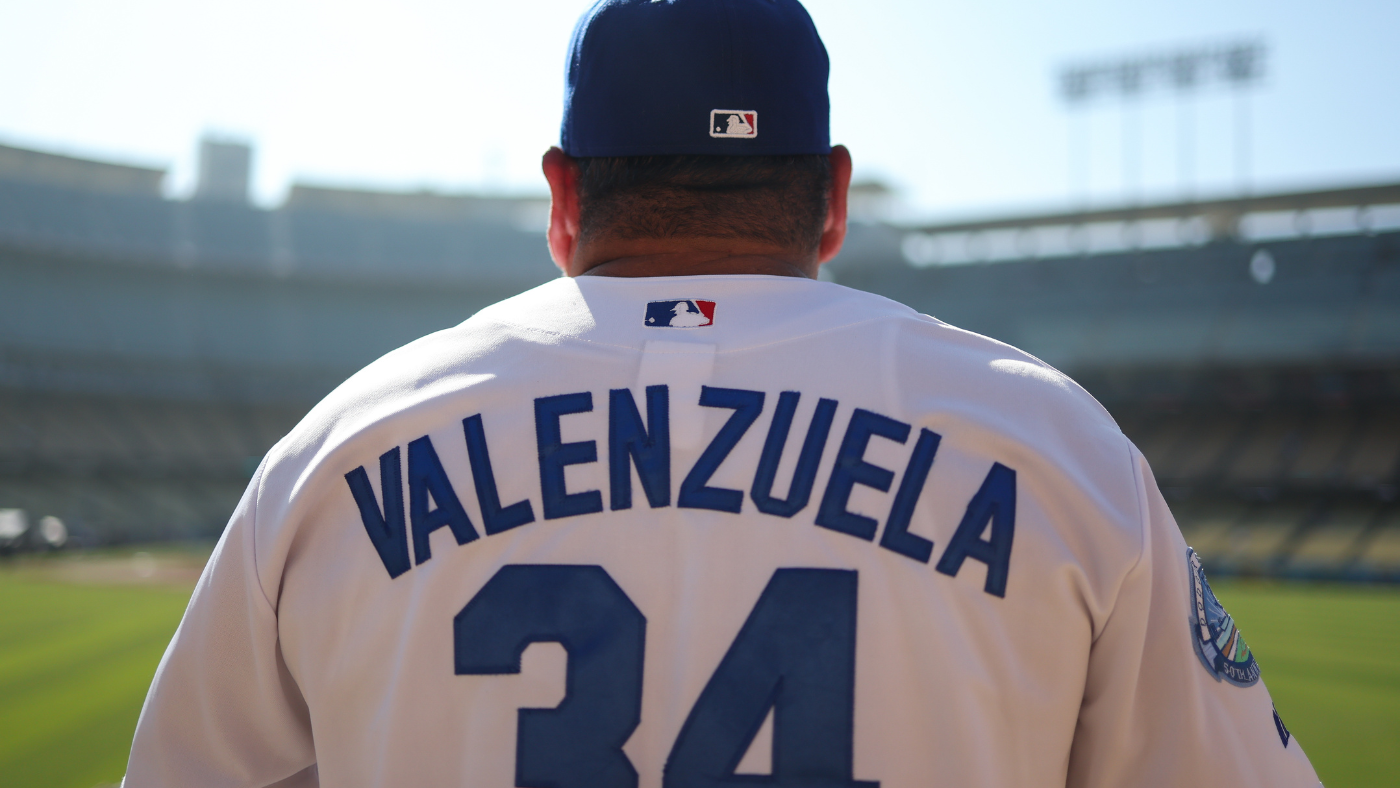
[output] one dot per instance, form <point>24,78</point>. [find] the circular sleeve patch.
<point>1218,641</point>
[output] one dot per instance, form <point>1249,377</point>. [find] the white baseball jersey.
<point>705,531</point>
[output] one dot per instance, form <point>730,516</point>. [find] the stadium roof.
<point>29,166</point>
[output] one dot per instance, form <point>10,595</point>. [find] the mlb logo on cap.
<point>682,313</point>
<point>742,123</point>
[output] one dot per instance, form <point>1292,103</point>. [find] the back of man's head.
<point>778,200</point>
<point>699,119</point>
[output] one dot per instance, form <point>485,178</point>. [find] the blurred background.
<point>211,214</point>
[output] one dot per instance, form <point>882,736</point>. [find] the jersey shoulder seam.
<point>1140,493</point>
<point>253,529</point>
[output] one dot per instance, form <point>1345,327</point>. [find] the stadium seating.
<point>1207,527</point>
<point>1332,545</point>
<point>1263,450</point>
<point>1379,552</point>
<point>1310,539</point>
<point>1375,453</point>
<point>1322,446</point>
<point>117,469</point>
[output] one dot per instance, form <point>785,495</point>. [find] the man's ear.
<point>562,174</point>
<point>834,230</point>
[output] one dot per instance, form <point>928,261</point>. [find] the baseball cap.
<point>719,77</point>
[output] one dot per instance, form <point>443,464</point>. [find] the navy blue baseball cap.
<point>718,77</point>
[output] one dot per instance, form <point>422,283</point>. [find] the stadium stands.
<point>1331,544</point>
<point>151,350</point>
<point>1379,550</point>
<point>1256,363</point>
<point>120,468</point>
<point>1270,448</point>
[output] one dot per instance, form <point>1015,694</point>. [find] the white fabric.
<point>300,656</point>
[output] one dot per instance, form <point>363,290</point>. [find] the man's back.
<point>820,537</point>
<point>783,531</point>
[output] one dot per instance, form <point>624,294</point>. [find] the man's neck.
<point>687,257</point>
<point>697,263</point>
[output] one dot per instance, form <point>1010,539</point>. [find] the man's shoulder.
<point>998,394</point>
<point>405,383</point>
<point>981,364</point>
<point>450,358</point>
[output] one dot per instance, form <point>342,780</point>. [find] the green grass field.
<point>1331,658</point>
<point>75,662</point>
<point>76,658</point>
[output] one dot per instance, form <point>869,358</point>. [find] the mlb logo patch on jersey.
<point>682,313</point>
<point>740,123</point>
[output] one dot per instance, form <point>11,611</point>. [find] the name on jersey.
<point>645,444</point>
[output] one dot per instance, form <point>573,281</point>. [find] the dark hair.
<point>778,199</point>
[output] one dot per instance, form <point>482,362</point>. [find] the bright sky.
<point>954,104</point>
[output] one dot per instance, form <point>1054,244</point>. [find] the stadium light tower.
<point>1239,65</point>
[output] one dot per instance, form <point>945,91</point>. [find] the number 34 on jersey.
<point>794,656</point>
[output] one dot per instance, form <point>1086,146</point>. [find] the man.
<point>767,529</point>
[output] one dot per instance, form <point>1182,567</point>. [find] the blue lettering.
<point>694,494</point>
<point>494,517</point>
<point>629,441</point>
<point>896,536</point>
<point>995,502</point>
<point>800,491</point>
<point>386,530</point>
<point>646,445</point>
<point>555,455</point>
<point>852,469</point>
<point>426,475</point>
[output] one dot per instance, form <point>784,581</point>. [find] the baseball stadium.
<point>153,349</point>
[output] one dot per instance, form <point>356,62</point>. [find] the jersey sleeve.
<point>1154,713</point>
<point>223,709</point>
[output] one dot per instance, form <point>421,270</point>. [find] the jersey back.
<point>707,531</point>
